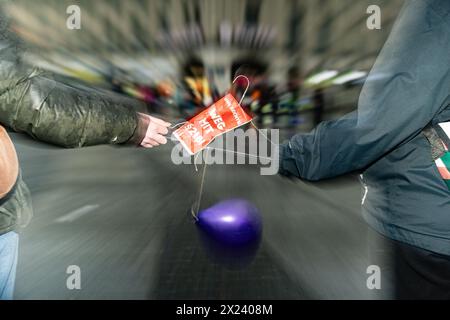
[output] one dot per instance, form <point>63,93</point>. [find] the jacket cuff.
<point>141,129</point>
<point>288,165</point>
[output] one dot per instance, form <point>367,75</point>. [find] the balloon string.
<point>200,193</point>
<point>261,133</point>
<point>201,187</point>
<point>172,138</point>
<point>195,214</point>
<point>177,125</point>
<point>240,102</point>
<point>195,160</point>
<point>232,151</point>
<point>240,153</point>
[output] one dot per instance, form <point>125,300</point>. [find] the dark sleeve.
<point>407,87</point>
<point>34,102</point>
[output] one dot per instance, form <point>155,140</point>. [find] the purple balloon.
<point>232,222</point>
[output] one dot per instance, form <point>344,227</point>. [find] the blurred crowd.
<point>181,56</point>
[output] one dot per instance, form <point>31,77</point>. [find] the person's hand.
<point>156,129</point>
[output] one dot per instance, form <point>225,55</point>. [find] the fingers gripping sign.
<point>155,132</point>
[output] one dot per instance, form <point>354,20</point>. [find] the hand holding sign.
<point>223,116</point>
<point>156,129</point>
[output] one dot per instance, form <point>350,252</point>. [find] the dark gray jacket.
<point>407,89</point>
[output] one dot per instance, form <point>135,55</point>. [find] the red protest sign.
<point>224,115</point>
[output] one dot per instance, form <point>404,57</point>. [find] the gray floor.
<point>120,214</point>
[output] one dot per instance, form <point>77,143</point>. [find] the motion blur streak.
<point>131,232</point>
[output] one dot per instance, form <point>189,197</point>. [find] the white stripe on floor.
<point>77,213</point>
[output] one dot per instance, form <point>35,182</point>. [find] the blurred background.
<point>121,214</point>
<point>308,59</point>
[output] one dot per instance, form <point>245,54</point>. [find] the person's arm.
<point>32,101</point>
<point>408,85</point>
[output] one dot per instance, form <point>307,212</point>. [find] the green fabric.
<point>447,182</point>
<point>446,160</point>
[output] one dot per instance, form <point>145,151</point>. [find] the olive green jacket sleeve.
<point>32,101</point>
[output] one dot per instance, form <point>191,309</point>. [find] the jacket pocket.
<point>439,153</point>
<point>442,165</point>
